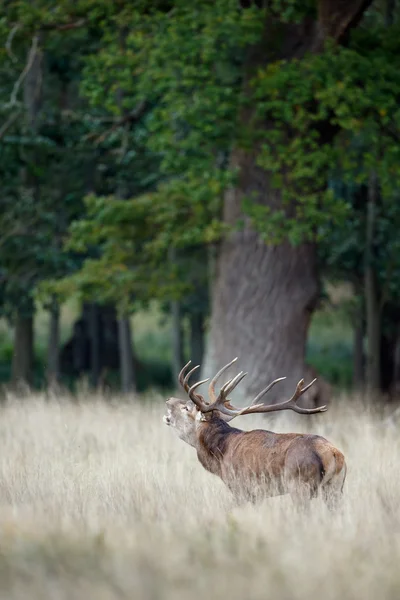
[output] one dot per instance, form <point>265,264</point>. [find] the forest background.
<point>200,180</point>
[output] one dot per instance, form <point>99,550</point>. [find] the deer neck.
<point>214,436</point>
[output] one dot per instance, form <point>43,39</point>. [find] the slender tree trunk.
<point>373,309</point>
<point>373,313</point>
<point>264,296</point>
<point>94,335</point>
<point>358,353</point>
<point>358,341</point>
<point>197,328</point>
<point>53,347</point>
<point>177,339</point>
<point>79,343</point>
<point>22,363</point>
<point>387,362</point>
<point>389,13</point>
<point>128,383</point>
<point>395,390</point>
<point>176,330</point>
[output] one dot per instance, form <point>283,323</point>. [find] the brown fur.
<point>262,463</point>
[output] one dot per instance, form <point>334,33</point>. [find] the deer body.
<point>262,463</point>
<point>257,464</point>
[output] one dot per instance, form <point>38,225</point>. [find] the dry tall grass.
<point>103,501</point>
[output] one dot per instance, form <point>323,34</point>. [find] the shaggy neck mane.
<point>214,435</point>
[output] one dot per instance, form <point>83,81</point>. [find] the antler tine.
<point>231,384</point>
<point>211,387</point>
<point>221,402</point>
<point>299,391</point>
<point>265,390</point>
<point>226,388</point>
<point>196,398</point>
<point>188,376</point>
<point>181,380</point>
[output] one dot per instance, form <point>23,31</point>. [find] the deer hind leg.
<point>303,479</point>
<point>332,490</point>
<point>301,495</point>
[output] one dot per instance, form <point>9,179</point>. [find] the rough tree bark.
<point>263,297</point>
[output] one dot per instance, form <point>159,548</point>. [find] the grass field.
<point>101,501</point>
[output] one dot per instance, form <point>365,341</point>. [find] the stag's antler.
<point>223,404</point>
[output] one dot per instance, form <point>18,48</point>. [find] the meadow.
<point>100,500</point>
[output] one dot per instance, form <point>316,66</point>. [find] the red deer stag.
<point>256,463</point>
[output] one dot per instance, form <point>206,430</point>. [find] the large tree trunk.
<point>264,296</point>
<point>22,362</point>
<point>263,299</point>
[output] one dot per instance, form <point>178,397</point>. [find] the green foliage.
<point>39,149</point>
<point>330,345</point>
<point>326,113</point>
<point>186,67</point>
<point>329,112</point>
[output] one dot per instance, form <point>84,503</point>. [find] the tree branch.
<point>63,26</point>
<point>337,17</point>
<point>8,123</point>
<point>131,117</point>
<point>30,60</point>
<point>9,42</point>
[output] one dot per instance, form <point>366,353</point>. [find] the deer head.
<point>181,416</point>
